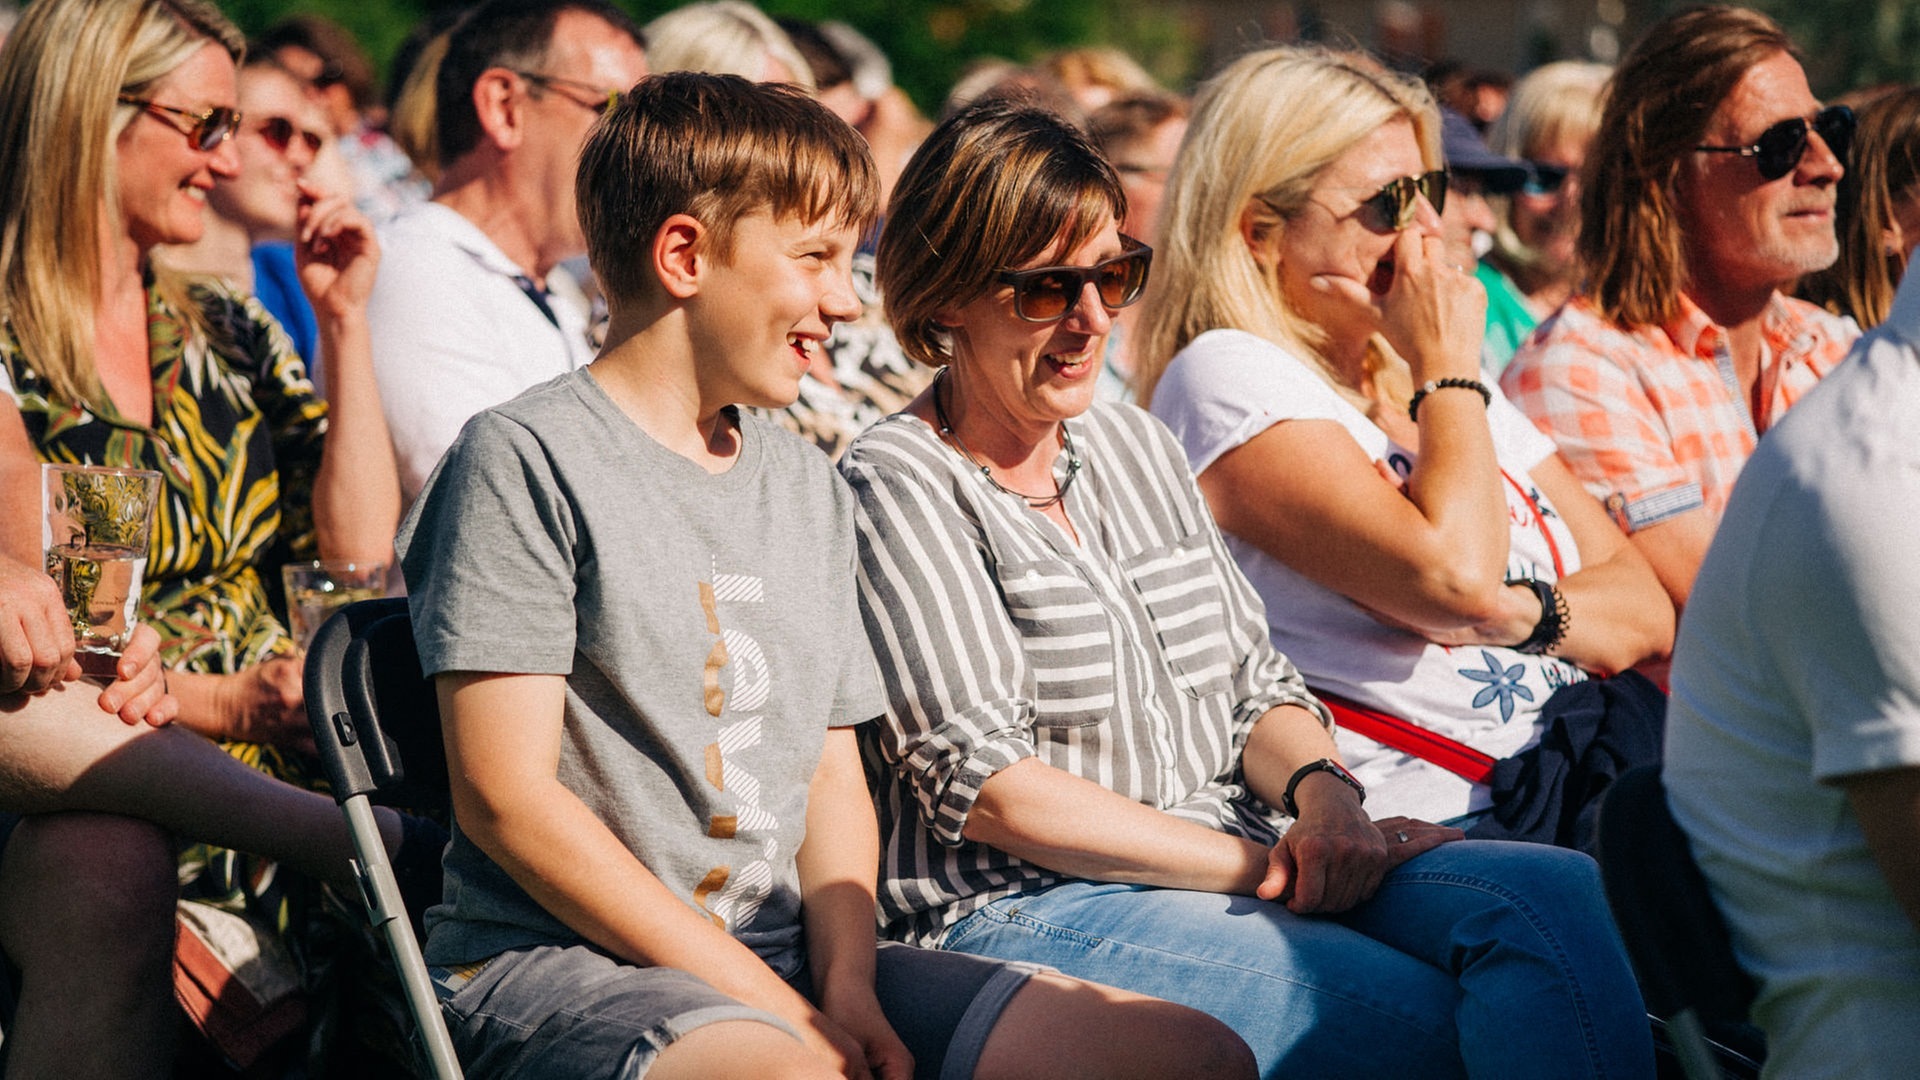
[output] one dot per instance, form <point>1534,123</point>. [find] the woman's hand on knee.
<point>139,693</point>
<point>265,703</point>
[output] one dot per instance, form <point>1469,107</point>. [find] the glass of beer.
<point>315,590</point>
<point>96,522</point>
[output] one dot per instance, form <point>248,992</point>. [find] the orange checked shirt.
<point>1652,419</point>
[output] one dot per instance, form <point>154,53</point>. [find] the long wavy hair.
<point>1263,130</point>
<point>1884,170</point>
<point>1632,254</point>
<point>61,72</point>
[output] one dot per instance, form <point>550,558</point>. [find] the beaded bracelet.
<point>1475,385</point>
<point>1554,617</point>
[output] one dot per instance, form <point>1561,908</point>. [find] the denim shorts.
<point>573,1011</point>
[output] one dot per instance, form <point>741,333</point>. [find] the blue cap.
<point>1468,153</point>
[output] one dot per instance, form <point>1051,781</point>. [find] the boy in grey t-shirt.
<point>639,608</point>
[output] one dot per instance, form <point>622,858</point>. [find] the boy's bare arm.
<point>837,864</point>
<point>503,736</point>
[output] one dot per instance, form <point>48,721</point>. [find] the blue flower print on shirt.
<point>1503,684</point>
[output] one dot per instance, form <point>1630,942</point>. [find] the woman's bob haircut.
<point>995,185</point>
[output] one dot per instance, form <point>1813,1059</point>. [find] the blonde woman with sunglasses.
<point>1092,757</point>
<point>116,119</point>
<point>1423,555</point>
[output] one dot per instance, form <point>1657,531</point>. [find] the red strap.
<point>1408,738</point>
<point>1540,522</point>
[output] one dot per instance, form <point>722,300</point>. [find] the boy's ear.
<point>679,255</point>
<point>501,113</point>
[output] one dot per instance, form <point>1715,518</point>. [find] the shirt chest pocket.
<point>1068,639</point>
<point>1179,585</point>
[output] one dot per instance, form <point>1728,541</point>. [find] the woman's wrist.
<point>1555,618</point>
<point>1432,386</point>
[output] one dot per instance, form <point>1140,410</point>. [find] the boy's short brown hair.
<point>716,148</point>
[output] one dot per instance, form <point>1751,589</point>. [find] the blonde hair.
<point>1247,154</point>
<point>1554,103</point>
<point>723,37</point>
<point>61,71</point>
<point>414,123</point>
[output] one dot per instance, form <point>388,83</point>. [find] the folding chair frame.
<point>374,718</point>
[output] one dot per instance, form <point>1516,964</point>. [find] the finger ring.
<point>1401,835</point>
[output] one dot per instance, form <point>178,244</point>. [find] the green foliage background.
<point>929,41</point>
<point>1849,44</point>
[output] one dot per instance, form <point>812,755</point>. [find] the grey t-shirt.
<point>707,626</point>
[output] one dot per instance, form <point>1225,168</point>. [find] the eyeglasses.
<point>206,131</point>
<point>1543,180</point>
<point>1779,149</point>
<point>606,99</point>
<point>280,132</point>
<point>1393,206</point>
<point>1047,293</point>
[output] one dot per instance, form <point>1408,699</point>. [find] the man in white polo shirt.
<point>1793,736</point>
<point>471,306</point>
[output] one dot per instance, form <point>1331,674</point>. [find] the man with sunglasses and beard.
<point>1709,189</point>
<point>472,305</point>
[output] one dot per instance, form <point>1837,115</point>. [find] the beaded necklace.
<point>1037,502</point>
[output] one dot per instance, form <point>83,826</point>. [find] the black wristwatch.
<point>1325,765</point>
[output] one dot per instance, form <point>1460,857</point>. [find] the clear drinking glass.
<point>315,590</point>
<point>96,522</point>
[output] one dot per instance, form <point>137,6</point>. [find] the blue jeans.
<point>1477,958</point>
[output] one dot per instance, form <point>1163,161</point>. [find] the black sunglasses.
<point>1047,293</point>
<point>603,99</point>
<point>280,133</point>
<point>1779,149</point>
<point>1543,179</point>
<point>1392,207</point>
<point>206,130</point>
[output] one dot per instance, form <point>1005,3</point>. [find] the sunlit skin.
<point>778,293</point>
<point>264,197</point>
<point>1022,378</point>
<point>1330,238</point>
<point>586,49</point>
<point>163,180</point>
<point>1746,236</point>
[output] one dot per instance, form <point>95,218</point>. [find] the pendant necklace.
<point>1037,502</point>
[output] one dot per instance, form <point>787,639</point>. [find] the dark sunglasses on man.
<point>1779,149</point>
<point>1047,293</point>
<point>205,131</point>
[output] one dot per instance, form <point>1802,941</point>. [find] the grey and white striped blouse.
<point>1137,659</point>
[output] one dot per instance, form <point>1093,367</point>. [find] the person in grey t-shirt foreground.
<point>639,608</point>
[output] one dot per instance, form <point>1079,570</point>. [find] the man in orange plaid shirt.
<point>1711,188</point>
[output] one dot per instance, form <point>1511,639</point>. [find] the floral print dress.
<point>236,438</point>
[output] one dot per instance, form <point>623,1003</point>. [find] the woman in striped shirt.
<point>1088,733</point>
